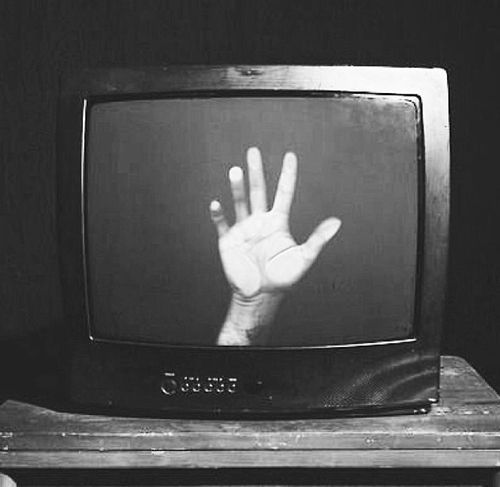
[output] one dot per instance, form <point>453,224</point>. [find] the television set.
<point>253,240</point>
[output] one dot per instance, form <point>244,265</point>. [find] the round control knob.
<point>169,386</point>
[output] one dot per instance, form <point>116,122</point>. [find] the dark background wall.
<point>40,40</point>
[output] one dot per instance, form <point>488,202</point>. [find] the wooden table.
<point>461,432</point>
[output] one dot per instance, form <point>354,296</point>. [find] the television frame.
<point>158,379</point>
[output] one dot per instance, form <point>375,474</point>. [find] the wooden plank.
<point>253,459</point>
<point>438,434</point>
<point>436,430</point>
<point>461,385</point>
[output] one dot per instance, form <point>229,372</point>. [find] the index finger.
<point>286,184</point>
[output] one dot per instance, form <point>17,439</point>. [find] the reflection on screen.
<point>153,166</point>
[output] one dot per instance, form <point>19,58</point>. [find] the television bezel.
<point>428,84</point>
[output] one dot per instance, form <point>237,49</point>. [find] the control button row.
<point>218,385</point>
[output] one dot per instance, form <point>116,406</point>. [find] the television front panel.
<point>148,288</point>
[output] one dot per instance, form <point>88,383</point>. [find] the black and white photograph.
<point>249,243</point>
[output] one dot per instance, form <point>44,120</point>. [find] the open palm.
<point>258,253</point>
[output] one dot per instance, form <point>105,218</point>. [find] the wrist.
<point>248,319</point>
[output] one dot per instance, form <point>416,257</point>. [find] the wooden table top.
<point>462,430</point>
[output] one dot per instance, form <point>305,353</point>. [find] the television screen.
<point>156,271</point>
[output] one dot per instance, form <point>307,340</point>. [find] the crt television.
<point>254,240</point>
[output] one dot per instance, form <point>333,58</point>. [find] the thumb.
<point>323,233</point>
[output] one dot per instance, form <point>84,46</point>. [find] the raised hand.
<point>258,253</point>
<point>259,256</point>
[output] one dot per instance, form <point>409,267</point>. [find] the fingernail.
<point>333,226</point>
<point>235,174</point>
<point>253,156</point>
<point>290,159</point>
<point>215,206</point>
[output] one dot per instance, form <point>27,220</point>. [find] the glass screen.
<point>166,264</point>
